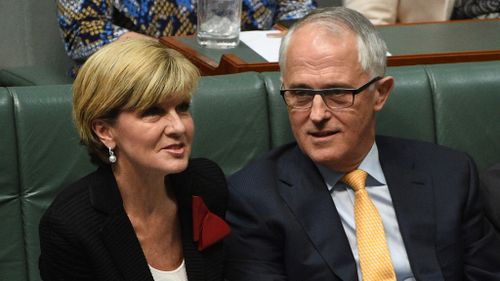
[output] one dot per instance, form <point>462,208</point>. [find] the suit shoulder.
<point>206,175</point>
<point>426,155</point>
<point>265,168</point>
<point>424,148</point>
<point>73,195</point>
<point>72,206</point>
<point>271,158</point>
<point>205,168</point>
<point>207,180</point>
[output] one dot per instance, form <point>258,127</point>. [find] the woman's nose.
<point>174,124</point>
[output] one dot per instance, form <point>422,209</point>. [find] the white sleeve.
<point>377,11</point>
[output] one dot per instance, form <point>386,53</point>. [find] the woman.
<point>138,217</point>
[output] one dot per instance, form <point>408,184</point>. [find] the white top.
<point>178,274</point>
<point>392,11</point>
<point>376,186</point>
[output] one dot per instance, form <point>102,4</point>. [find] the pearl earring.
<point>112,157</point>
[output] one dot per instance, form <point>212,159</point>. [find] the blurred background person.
<point>394,11</point>
<point>88,25</point>
<point>136,217</point>
<point>480,9</point>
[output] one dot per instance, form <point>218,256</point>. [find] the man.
<point>293,217</point>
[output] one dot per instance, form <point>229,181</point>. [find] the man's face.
<point>319,59</point>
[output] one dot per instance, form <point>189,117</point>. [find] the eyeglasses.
<point>334,98</point>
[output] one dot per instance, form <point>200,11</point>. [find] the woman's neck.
<point>143,193</point>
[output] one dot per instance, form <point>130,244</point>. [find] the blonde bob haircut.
<point>130,75</point>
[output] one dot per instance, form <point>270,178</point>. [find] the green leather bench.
<point>238,117</point>
<point>34,75</point>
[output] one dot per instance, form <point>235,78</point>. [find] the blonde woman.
<point>139,216</point>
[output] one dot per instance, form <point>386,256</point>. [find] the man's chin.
<point>323,159</point>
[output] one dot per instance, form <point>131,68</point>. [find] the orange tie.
<point>374,257</point>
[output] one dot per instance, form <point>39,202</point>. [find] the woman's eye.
<point>152,111</point>
<point>183,107</point>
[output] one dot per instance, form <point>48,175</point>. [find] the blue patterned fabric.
<point>87,25</point>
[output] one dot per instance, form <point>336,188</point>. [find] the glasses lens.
<point>338,99</point>
<point>298,98</point>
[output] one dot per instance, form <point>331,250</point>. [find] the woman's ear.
<point>104,132</point>
<point>384,89</point>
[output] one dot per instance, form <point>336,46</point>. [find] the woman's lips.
<point>176,149</point>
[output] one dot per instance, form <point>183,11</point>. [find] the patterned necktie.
<point>375,260</point>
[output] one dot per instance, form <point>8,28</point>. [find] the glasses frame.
<point>323,93</point>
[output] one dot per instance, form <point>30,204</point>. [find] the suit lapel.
<point>413,200</point>
<point>208,264</point>
<point>118,233</point>
<point>182,184</point>
<point>122,243</point>
<point>303,190</point>
<point>119,237</point>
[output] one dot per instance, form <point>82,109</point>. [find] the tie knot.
<point>355,179</point>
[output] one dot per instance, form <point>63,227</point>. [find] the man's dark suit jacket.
<point>285,225</point>
<point>86,234</point>
<point>490,184</point>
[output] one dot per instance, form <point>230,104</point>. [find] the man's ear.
<point>104,132</point>
<point>384,88</point>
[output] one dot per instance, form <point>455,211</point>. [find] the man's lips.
<point>324,133</point>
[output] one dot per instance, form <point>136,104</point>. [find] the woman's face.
<point>157,140</point>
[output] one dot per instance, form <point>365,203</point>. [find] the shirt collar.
<point>370,164</point>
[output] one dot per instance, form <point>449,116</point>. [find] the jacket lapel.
<point>413,200</point>
<point>119,237</point>
<point>208,264</point>
<point>182,184</point>
<point>118,233</point>
<point>303,190</point>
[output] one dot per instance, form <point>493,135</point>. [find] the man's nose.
<point>319,110</point>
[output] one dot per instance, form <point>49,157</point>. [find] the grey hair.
<point>372,49</point>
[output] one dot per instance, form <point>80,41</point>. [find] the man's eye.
<point>152,111</point>
<point>183,107</point>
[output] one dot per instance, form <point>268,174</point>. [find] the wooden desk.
<point>442,42</point>
<point>216,62</point>
<point>409,44</point>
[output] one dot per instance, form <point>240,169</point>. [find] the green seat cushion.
<point>49,154</point>
<point>281,132</point>
<point>12,253</point>
<point>33,75</point>
<point>408,112</point>
<point>467,104</point>
<point>231,120</point>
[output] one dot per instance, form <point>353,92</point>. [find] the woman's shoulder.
<point>205,167</point>
<point>205,175</point>
<point>73,202</point>
<point>76,191</point>
<point>205,179</point>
